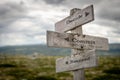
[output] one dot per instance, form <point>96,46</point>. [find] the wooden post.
<point>84,44</point>
<point>77,74</point>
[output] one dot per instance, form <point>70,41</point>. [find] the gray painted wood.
<point>77,61</point>
<point>76,41</point>
<point>78,17</point>
<point>83,55</point>
<point>80,73</point>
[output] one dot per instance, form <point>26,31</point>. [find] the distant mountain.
<point>114,49</point>
<point>43,49</point>
<point>30,49</point>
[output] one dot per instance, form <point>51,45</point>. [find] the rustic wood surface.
<point>78,74</point>
<point>83,46</point>
<point>80,17</point>
<point>76,41</point>
<point>76,61</point>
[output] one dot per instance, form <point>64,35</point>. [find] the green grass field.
<point>21,67</point>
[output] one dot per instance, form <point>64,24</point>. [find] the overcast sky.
<point>26,21</point>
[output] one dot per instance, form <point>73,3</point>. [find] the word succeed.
<point>69,63</point>
<point>78,60</point>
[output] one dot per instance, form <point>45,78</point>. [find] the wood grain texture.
<point>78,74</point>
<point>76,41</point>
<point>80,17</point>
<point>85,60</point>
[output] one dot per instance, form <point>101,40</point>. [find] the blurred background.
<point>24,54</point>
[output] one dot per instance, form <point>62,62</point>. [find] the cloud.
<point>20,39</point>
<point>26,21</point>
<point>22,31</point>
<point>29,29</point>
<point>109,10</point>
<point>54,2</point>
<point>10,12</point>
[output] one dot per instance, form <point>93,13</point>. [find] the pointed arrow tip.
<point>86,14</point>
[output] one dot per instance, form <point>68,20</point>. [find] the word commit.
<point>74,40</point>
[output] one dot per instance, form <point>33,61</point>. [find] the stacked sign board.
<point>86,44</point>
<point>76,41</point>
<point>69,63</point>
<point>78,18</point>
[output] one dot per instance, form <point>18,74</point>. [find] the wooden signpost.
<point>80,17</point>
<point>83,46</point>
<point>76,41</point>
<point>74,62</point>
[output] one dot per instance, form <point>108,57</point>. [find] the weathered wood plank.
<point>86,60</point>
<point>80,17</point>
<point>80,73</point>
<point>76,41</point>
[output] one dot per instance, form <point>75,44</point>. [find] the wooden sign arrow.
<point>78,18</point>
<point>76,41</point>
<point>69,63</point>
